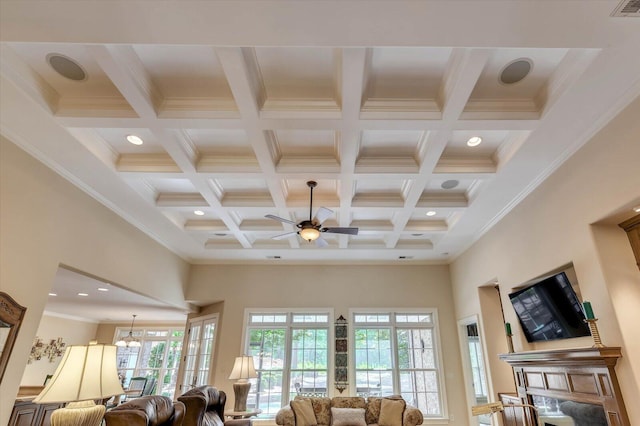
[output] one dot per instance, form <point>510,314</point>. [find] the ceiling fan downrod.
<point>311,184</point>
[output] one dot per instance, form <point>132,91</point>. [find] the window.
<point>291,355</point>
<point>157,358</point>
<point>397,353</point>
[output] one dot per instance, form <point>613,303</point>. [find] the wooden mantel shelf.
<point>583,375</point>
<point>607,356</point>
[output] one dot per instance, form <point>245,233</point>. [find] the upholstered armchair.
<point>204,406</point>
<point>150,410</point>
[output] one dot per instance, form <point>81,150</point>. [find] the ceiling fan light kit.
<point>310,230</point>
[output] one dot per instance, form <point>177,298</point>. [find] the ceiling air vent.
<point>627,9</point>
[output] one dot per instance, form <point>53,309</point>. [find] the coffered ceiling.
<point>239,104</point>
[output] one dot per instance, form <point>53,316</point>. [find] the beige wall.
<point>73,332</point>
<point>552,227</point>
<point>337,287</point>
<point>45,221</point>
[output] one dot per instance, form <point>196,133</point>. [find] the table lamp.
<point>85,374</point>
<point>243,370</point>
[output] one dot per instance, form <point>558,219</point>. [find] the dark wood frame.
<point>582,375</point>
<point>11,313</point>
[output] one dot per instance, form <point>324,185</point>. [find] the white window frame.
<point>140,333</point>
<point>289,325</point>
<point>434,326</point>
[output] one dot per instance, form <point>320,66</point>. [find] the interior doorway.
<point>474,366</point>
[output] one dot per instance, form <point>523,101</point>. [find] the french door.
<point>198,354</point>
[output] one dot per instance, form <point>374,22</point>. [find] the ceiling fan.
<point>311,229</point>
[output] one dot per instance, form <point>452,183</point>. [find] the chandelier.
<point>129,341</point>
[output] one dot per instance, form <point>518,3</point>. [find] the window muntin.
<point>291,355</point>
<point>398,353</point>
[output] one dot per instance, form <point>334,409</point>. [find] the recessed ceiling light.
<point>53,294</point>
<point>431,213</point>
<point>102,289</point>
<point>449,184</point>
<point>636,209</point>
<point>135,139</point>
<point>83,294</point>
<point>198,212</point>
<point>474,141</point>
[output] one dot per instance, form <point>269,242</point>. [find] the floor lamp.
<point>85,374</point>
<point>243,370</point>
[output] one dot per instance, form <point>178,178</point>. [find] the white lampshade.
<point>85,373</point>
<point>243,368</point>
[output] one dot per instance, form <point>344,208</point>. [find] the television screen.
<point>549,310</point>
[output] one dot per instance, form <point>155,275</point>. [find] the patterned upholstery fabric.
<point>322,409</point>
<point>348,402</point>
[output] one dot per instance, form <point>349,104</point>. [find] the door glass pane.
<point>206,352</point>
<point>191,358</point>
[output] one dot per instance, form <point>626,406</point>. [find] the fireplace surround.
<point>572,383</point>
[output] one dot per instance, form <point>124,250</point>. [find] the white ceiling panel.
<point>240,104</point>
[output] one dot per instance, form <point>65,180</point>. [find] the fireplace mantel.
<point>584,375</point>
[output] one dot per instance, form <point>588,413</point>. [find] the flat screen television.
<point>550,310</point>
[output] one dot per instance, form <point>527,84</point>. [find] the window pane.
<point>415,349</point>
<point>372,318</point>
<point>310,318</point>
<point>420,389</point>
<point>268,318</point>
<point>157,333</point>
<point>417,318</point>
<point>309,362</point>
<point>267,346</point>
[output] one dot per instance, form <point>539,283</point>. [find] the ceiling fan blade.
<point>321,242</point>
<point>349,231</point>
<point>323,214</point>
<point>280,219</point>
<point>283,236</point>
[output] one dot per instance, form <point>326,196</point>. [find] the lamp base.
<point>241,390</point>
<point>82,413</point>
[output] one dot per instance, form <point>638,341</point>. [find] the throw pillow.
<point>347,417</point>
<point>303,412</point>
<point>391,412</point>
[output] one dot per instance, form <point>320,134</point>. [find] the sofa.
<point>150,410</point>
<point>204,406</point>
<point>349,411</point>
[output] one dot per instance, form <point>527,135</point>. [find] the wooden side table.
<point>242,414</point>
